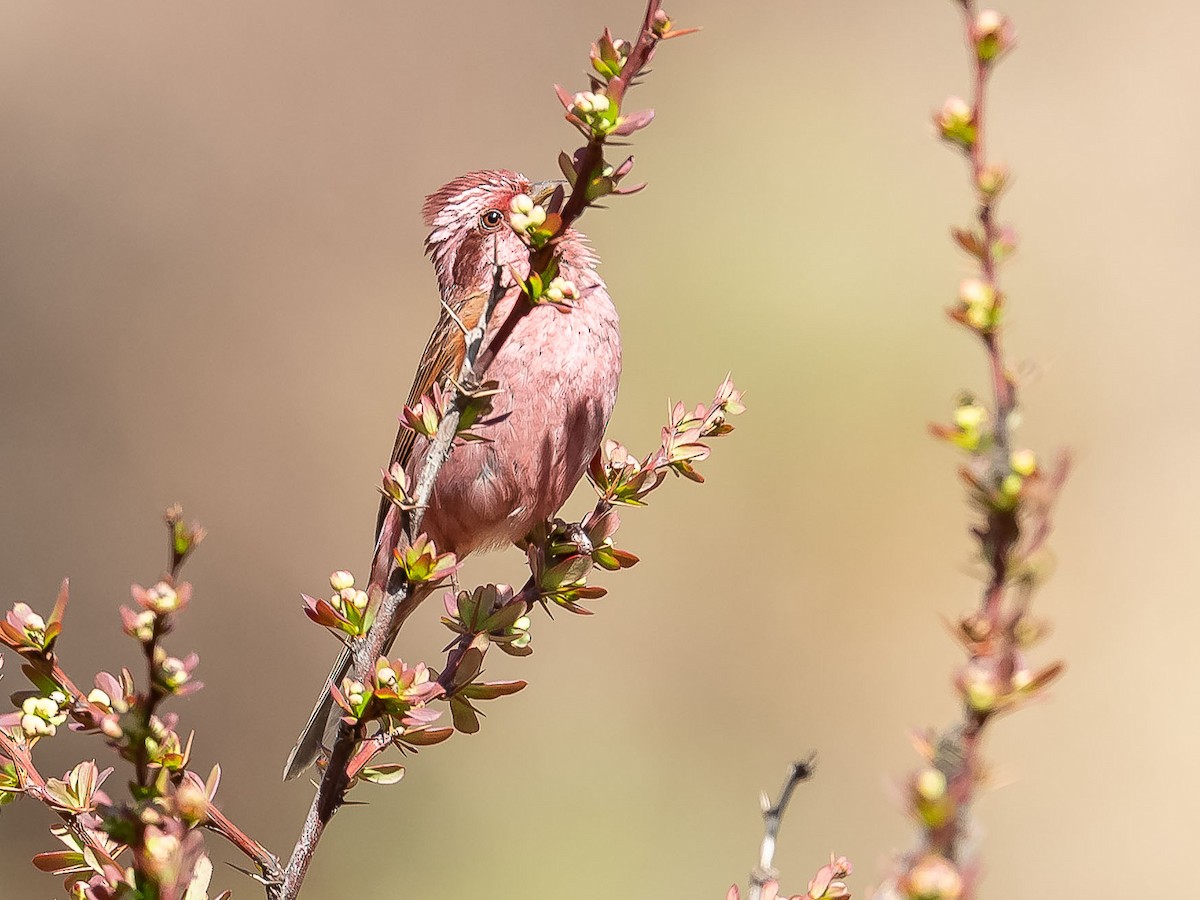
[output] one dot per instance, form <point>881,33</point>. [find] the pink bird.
<point>558,374</point>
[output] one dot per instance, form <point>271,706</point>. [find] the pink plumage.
<point>558,374</point>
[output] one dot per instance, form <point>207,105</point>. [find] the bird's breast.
<point>558,374</point>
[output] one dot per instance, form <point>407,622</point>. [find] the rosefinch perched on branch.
<point>558,374</point>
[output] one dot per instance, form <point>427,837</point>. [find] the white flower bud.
<point>1024,462</point>
<point>341,580</point>
<point>36,726</point>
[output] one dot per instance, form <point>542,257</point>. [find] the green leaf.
<point>386,773</point>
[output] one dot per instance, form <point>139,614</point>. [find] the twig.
<point>267,862</point>
<point>1015,493</point>
<point>773,813</point>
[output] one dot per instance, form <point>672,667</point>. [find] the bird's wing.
<point>440,363</point>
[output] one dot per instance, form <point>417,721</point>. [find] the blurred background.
<point>212,290</point>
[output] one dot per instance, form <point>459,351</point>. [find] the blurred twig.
<point>773,813</point>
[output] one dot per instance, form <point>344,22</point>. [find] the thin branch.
<point>267,862</point>
<point>773,813</point>
<point>1016,494</point>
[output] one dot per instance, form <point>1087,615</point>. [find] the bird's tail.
<point>319,726</point>
<point>312,738</point>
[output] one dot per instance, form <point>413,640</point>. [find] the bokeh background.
<point>212,291</point>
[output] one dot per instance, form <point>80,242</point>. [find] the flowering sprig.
<point>1014,491</point>
<point>396,692</point>
<point>29,634</point>
<point>421,562</point>
<point>146,846</point>
<point>492,610</point>
<point>561,555</point>
<point>349,610</point>
<point>597,113</point>
<point>620,478</point>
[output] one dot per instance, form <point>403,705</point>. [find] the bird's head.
<point>469,230</point>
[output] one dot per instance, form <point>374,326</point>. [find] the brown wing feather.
<point>440,363</point>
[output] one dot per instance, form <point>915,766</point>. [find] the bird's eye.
<point>491,219</point>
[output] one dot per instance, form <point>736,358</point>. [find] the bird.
<point>557,372</point>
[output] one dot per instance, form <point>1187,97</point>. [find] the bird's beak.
<point>542,191</point>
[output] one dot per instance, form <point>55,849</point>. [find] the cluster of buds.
<point>139,625</point>
<point>156,741</point>
<point>162,598</point>
<point>41,716</point>
<point>396,690</point>
<point>349,609</point>
<point>561,293</point>
<point>596,114</point>
<point>158,603</point>
<point>996,484</point>
<point>595,111</point>
<point>528,220</point>
<point>532,223</point>
<point>174,675</point>
<point>991,181</point>
<point>492,610</point>
<point>992,34</point>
